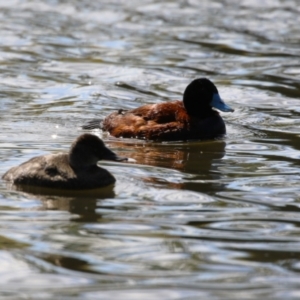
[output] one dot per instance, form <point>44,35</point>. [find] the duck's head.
<point>200,96</point>
<point>88,149</point>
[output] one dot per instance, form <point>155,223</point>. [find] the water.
<point>196,220</point>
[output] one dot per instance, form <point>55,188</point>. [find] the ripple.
<point>247,147</point>
<point>255,227</point>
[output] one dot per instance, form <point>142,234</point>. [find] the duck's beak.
<point>218,103</point>
<point>107,154</point>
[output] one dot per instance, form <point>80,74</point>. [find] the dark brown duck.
<point>192,118</point>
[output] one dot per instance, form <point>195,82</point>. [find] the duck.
<point>195,117</point>
<point>75,170</point>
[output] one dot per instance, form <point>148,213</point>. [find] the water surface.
<point>212,219</point>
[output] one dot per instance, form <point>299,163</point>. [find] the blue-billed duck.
<point>192,118</point>
<point>74,170</point>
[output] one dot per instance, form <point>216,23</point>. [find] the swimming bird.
<point>74,170</point>
<point>192,118</point>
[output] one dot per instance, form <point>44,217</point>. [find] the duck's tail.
<point>93,124</point>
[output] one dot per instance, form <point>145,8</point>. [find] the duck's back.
<point>163,121</point>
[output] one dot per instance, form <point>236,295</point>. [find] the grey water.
<point>214,219</point>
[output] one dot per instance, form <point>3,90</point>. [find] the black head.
<point>200,96</point>
<point>88,149</point>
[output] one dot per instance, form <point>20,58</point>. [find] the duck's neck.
<point>80,162</point>
<point>200,112</point>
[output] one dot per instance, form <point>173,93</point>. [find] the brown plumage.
<point>192,118</point>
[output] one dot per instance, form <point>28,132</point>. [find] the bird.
<point>191,118</point>
<point>75,170</point>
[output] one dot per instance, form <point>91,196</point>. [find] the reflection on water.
<point>193,157</point>
<point>100,193</point>
<point>195,220</point>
